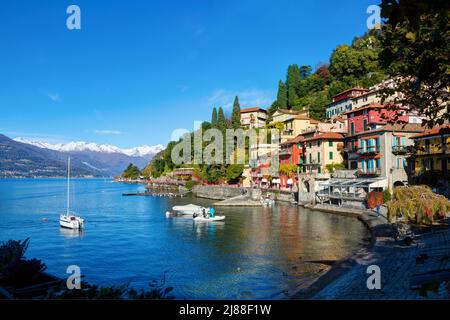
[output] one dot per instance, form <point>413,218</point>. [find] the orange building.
<point>291,156</point>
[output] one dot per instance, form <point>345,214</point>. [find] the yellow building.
<point>432,151</point>
<point>321,150</point>
<point>294,123</point>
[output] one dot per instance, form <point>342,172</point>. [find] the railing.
<point>288,132</point>
<point>285,152</point>
<point>399,149</point>
<point>369,150</point>
<point>371,172</point>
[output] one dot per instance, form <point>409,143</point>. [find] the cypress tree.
<point>214,118</point>
<point>236,115</point>
<point>293,84</point>
<point>221,121</point>
<point>281,96</point>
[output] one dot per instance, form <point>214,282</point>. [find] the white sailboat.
<point>70,220</point>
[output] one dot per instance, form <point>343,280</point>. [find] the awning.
<point>289,181</point>
<point>274,180</point>
<point>264,180</point>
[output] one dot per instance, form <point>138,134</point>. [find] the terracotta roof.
<point>326,136</point>
<point>442,129</point>
<point>289,111</point>
<point>351,89</point>
<point>302,117</point>
<point>396,127</point>
<point>254,109</point>
<point>372,105</point>
<point>297,139</point>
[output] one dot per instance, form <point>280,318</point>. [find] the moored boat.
<point>70,220</point>
<point>189,209</point>
<point>206,219</point>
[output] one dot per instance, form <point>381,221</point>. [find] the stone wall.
<point>217,192</point>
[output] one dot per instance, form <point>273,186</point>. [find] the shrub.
<point>190,184</point>
<point>387,195</point>
<point>417,204</point>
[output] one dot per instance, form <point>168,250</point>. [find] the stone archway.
<point>399,184</point>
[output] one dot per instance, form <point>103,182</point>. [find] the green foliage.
<point>281,102</point>
<point>214,118</point>
<point>387,196</point>
<point>288,169</point>
<point>120,292</point>
<point>417,204</point>
<point>190,184</point>
<point>221,121</point>
<point>11,252</point>
<point>415,46</point>
<point>293,85</point>
<point>335,166</point>
<point>350,65</point>
<point>15,270</point>
<point>131,172</point>
<point>236,114</point>
<point>234,172</point>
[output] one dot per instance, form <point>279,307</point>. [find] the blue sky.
<point>137,70</point>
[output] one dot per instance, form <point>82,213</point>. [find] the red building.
<point>365,119</point>
<point>371,116</point>
<point>291,153</point>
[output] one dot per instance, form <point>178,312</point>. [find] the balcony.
<point>372,172</point>
<point>371,150</point>
<point>288,132</point>
<point>285,152</point>
<point>399,150</point>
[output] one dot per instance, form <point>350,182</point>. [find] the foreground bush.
<point>16,272</point>
<point>417,204</point>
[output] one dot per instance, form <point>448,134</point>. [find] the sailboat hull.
<point>71,222</point>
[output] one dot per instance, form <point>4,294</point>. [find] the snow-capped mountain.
<point>80,146</point>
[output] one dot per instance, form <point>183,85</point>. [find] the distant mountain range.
<point>21,157</point>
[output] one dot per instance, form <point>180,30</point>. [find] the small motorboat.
<point>207,219</point>
<point>189,209</point>
<point>267,202</point>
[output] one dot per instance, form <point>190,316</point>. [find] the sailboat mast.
<point>68,185</point>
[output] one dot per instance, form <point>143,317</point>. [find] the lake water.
<point>256,253</point>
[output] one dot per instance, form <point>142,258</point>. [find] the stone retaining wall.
<point>217,192</point>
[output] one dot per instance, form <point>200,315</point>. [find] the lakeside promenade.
<point>427,257</point>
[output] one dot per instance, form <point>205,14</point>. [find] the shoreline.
<point>342,266</point>
<point>400,265</point>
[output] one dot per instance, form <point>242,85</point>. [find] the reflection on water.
<point>71,233</point>
<point>256,253</point>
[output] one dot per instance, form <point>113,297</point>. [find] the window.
<point>318,157</point>
<point>379,163</point>
<point>363,165</point>
<point>330,143</point>
<point>366,125</point>
<point>331,155</point>
<point>352,128</point>
<point>310,158</point>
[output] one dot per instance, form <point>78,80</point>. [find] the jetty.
<point>157,194</point>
